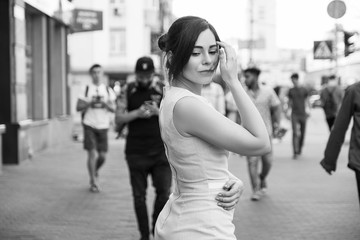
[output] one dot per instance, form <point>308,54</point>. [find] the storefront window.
<point>117,42</point>
<point>29,65</point>
<point>36,86</point>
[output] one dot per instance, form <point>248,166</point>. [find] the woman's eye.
<point>214,52</point>
<point>195,54</point>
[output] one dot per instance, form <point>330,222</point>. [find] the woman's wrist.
<point>234,85</point>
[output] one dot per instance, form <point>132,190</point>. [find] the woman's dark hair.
<point>253,70</point>
<point>178,43</point>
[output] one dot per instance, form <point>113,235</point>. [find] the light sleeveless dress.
<point>199,171</point>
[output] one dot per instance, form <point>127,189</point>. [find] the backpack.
<point>86,94</point>
<point>330,104</point>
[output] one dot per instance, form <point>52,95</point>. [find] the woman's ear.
<point>170,57</point>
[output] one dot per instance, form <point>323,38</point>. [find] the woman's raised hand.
<point>228,63</point>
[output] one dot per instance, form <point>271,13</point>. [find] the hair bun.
<point>162,41</point>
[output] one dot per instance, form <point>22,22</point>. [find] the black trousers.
<point>357,173</point>
<point>140,167</point>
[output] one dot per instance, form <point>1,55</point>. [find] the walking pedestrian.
<point>96,104</point>
<point>298,110</point>
<point>350,109</point>
<point>268,104</point>
<point>144,150</point>
<point>120,127</point>
<point>331,97</point>
<point>197,137</point>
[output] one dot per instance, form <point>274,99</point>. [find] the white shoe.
<point>263,191</point>
<point>256,196</point>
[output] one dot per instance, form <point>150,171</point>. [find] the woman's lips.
<point>207,71</point>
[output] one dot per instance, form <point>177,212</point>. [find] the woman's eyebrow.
<point>215,45</point>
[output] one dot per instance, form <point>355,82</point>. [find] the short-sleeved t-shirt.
<point>214,94</point>
<point>143,133</point>
<point>265,99</point>
<point>98,118</point>
<point>298,97</point>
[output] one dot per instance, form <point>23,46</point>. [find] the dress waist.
<point>203,187</point>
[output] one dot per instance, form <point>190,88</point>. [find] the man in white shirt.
<point>268,104</point>
<point>97,104</point>
<point>214,93</point>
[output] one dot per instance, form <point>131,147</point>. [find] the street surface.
<point>47,198</point>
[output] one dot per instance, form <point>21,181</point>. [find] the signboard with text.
<point>85,20</point>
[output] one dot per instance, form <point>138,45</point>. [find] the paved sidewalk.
<point>47,197</point>
<point>303,201</point>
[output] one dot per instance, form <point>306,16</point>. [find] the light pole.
<point>336,39</point>
<point>251,40</point>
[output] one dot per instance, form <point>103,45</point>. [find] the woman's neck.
<point>185,83</point>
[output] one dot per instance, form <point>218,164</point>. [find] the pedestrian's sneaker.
<point>94,188</point>
<point>256,196</point>
<point>263,186</point>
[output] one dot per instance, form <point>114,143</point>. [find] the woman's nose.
<point>206,58</point>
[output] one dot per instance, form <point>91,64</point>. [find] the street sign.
<point>87,20</point>
<point>336,9</point>
<point>323,50</point>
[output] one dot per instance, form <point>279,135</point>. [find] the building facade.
<point>130,29</point>
<point>260,46</point>
<point>34,90</point>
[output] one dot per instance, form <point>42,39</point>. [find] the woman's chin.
<point>208,80</point>
<point>207,77</point>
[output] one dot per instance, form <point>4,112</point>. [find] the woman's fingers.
<point>229,198</point>
<point>228,65</point>
<point>229,51</point>
<point>222,57</point>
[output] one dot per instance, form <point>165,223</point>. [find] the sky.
<point>298,22</point>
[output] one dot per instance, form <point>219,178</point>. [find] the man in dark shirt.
<point>144,150</point>
<point>299,106</point>
<point>350,108</point>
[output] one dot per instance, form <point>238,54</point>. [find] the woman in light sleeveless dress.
<point>197,138</point>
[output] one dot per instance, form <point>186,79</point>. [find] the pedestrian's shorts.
<point>95,139</point>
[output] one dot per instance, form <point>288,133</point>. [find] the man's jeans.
<point>140,166</point>
<point>357,174</point>
<point>298,129</point>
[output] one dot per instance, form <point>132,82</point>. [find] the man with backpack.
<point>331,97</point>
<point>96,104</point>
